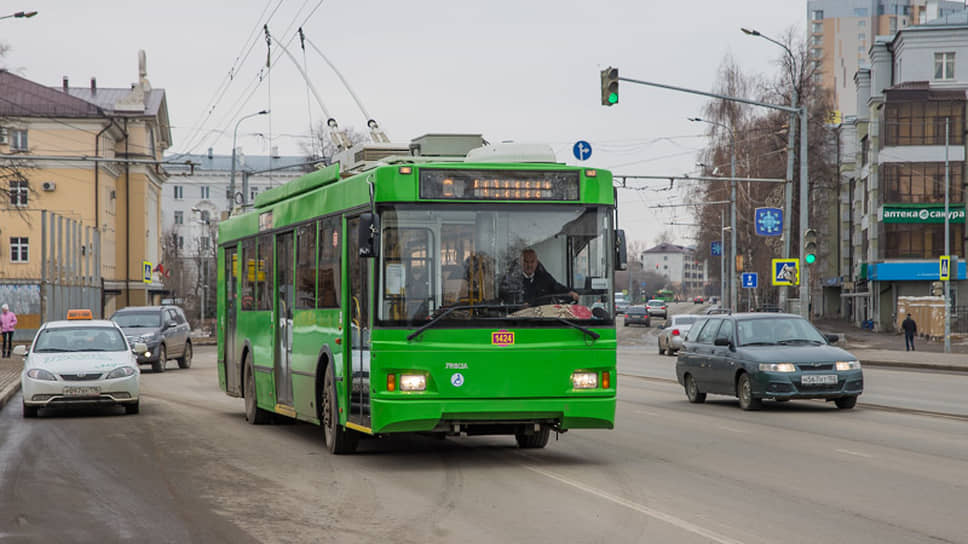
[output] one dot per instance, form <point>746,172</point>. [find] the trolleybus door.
<point>231,268</point>
<point>285,290</point>
<point>359,326</point>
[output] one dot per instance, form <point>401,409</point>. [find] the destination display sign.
<point>442,184</point>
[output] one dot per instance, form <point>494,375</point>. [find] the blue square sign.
<point>716,249</point>
<point>750,279</point>
<point>768,221</point>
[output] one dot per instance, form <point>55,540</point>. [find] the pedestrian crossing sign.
<point>785,272</point>
<point>945,268</point>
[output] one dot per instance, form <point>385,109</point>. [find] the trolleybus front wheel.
<point>253,414</point>
<point>339,440</point>
<point>533,440</point>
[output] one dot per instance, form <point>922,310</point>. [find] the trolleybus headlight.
<point>584,380</point>
<point>848,365</point>
<point>413,382</point>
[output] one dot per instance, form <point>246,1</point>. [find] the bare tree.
<point>322,147</point>
<point>761,141</point>
<point>12,170</point>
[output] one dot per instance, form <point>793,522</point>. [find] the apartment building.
<point>686,272</point>
<point>80,166</point>
<point>910,130</point>
<point>841,34</point>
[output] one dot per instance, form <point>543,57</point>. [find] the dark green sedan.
<point>766,356</point>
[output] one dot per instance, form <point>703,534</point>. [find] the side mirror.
<point>140,348</point>
<point>621,252</point>
<point>169,324</point>
<point>832,338</point>
<point>20,350</point>
<point>368,236</point>
<point>722,341</point>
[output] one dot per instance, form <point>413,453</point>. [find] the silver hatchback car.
<point>674,332</point>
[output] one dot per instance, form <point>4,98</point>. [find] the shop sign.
<point>922,214</point>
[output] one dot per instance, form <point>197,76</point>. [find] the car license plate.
<point>89,391</point>
<point>818,379</point>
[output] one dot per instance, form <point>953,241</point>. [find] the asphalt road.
<point>189,469</point>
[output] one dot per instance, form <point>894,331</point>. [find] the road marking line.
<point>654,414</point>
<point>857,453</point>
<point>733,429</point>
<point>651,512</point>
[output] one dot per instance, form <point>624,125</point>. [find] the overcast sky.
<point>519,70</point>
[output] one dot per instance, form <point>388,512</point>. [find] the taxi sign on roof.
<point>79,314</point>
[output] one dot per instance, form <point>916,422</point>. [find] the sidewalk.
<point>9,378</point>
<point>887,348</point>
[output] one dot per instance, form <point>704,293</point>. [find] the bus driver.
<point>531,283</point>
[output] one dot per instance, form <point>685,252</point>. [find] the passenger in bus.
<point>531,284</point>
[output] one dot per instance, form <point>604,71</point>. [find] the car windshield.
<point>780,330</point>
<point>494,262</point>
<point>683,320</point>
<point>137,319</point>
<point>655,303</point>
<point>63,339</point>
<point>636,310</point>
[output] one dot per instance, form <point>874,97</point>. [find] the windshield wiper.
<point>51,350</point>
<point>759,343</point>
<point>446,312</point>
<point>593,334</point>
<point>796,341</point>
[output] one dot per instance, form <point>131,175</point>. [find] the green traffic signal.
<point>609,86</point>
<point>612,98</point>
<point>810,258</point>
<point>810,246</point>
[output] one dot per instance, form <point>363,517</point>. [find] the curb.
<point>918,366</point>
<point>9,391</point>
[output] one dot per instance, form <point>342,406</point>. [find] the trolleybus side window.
<point>306,267</point>
<point>263,283</point>
<point>329,262</point>
<point>248,274</point>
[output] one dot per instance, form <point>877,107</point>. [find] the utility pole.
<point>947,245</point>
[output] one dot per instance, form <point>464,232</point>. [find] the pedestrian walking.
<point>8,322</point>
<point>910,329</point>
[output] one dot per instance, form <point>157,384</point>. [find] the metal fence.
<point>70,275</point>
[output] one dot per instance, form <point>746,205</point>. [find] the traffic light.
<point>809,246</point>
<point>610,86</point>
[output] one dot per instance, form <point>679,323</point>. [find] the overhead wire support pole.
<point>804,206</point>
<point>376,133</point>
<point>336,134</point>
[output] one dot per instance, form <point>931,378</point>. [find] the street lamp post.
<point>20,15</point>
<point>732,207</point>
<point>235,135</point>
<point>791,139</point>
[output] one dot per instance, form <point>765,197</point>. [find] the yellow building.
<point>87,157</point>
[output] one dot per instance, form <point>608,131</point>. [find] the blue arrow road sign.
<point>750,279</point>
<point>768,221</point>
<point>717,249</point>
<point>582,150</point>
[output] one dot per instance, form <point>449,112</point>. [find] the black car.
<point>766,356</point>
<point>637,315</point>
<point>163,329</point>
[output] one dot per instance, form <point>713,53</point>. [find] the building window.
<point>18,140</point>
<point>181,242</point>
<point>862,37</point>
<point>860,12</point>
<point>179,192</point>
<point>920,182</point>
<point>944,65</point>
<point>665,257</point>
<point>816,53</point>
<point>206,216</point>
<point>864,153</point>
<point>179,217</point>
<point>203,243</point>
<point>18,193</point>
<point>892,25</point>
<point>922,123</point>
<point>817,28</point>
<point>818,15</point>
<point>861,24</point>
<point>204,191</point>
<point>253,191</point>
<point>816,39</point>
<point>920,241</point>
<point>19,249</point>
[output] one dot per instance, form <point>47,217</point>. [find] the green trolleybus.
<point>400,299</point>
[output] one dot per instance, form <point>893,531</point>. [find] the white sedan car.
<point>80,363</point>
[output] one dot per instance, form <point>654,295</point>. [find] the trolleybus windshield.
<point>437,257</point>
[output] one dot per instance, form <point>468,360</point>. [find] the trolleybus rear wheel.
<point>253,414</point>
<point>533,440</point>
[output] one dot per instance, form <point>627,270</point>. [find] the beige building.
<point>110,207</point>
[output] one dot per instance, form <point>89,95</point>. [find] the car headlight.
<point>584,380</point>
<point>413,382</point>
<point>778,367</point>
<point>121,372</point>
<point>41,374</point>
<point>147,337</point>
<point>848,365</point>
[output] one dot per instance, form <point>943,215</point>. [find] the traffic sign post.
<point>750,280</point>
<point>785,272</point>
